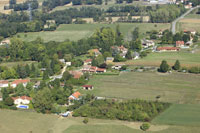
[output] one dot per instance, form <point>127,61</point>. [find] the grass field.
<point>30,122</point>
<point>174,88</point>
<point>75,32</point>
<point>180,114</point>
<point>185,57</point>
<point>12,64</point>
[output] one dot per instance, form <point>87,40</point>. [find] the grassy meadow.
<point>27,122</point>
<point>186,58</point>
<point>174,88</point>
<point>76,32</point>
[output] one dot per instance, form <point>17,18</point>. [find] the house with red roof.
<point>180,44</point>
<point>24,82</point>
<point>163,49</point>
<point>75,96</point>
<point>21,100</point>
<point>88,62</point>
<point>87,87</point>
<point>4,83</point>
<point>92,69</point>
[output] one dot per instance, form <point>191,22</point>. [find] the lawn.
<point>186,58</point>
<point>76,32</point>
<point>173,88</point>
<point>180,114</point>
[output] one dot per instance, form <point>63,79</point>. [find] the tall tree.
<point>135,34</point>
<point>177,65</point>
<point>164,67</point>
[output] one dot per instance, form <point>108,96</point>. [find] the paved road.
<point>181,17</point>
<point>58,76</point>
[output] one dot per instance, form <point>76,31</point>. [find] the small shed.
<point>87,87</point>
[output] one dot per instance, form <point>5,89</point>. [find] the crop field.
<point>186,58</point>
<point>174,88</point>
<point>27,122</point>
<point>76,32</point>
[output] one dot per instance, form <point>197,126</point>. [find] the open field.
<point>174,88</point>
<point>76,32</point>
<point>27,122</point>
<point>180,114</point>
<point>185,57</point>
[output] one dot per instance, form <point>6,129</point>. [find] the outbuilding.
<point>87,87</point>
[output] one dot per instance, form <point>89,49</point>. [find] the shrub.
<point>85,121</point>
<point>145,126</point>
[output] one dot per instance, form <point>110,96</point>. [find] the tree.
<point>43,101</point>
<point>119,37</point>
<point>135,34</point>
<point>164,67</point>
<point>145,126</point>
<point>129,55</point>
<point>28,71</point>
<point>66,76</point>
<point>85,121</point>
<point>45,75</point>
<point>177,65</point>
<point>9,101</point>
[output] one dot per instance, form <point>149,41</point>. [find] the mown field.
<point>186,58</point>
<point>180,114</point>
<point>76,32</point>
<point>174,88</point>
<point>27,122</point>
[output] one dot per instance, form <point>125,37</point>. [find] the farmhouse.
<point>88,62</point>
<point>4,83</point>
<point>119,50</point>
<point>162,49</point>
<point>92,69</point>
<point>87,87</point>
<point>180,44</point>
<point>24,82</point>
<point>21,100</point>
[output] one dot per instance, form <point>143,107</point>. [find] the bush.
<point>85,121</point>
<point>145,126</point>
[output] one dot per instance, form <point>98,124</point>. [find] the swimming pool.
<point>23,106</point>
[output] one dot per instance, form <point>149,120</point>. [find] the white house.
<point>68,63</point>
<point>62,60</point>
<point>22,100</point>
<point>4,83</point>
<point>20,81</point>
<point>147,43</point>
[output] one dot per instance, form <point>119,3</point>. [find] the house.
<point>136,55</point>
<point>193,32</point>
<point>87,87</point>
<point>180,44</point>
<point>162,49</point>
<point>4,83</point>
<point>94,52</point>
<point>147,43</point>
<point>188,6</point>
<point>93,69</point>
<point>119,50</point>
<point>100,70</point>
<point>109,60</point>
<point>20,81</point>
<point>74,96</point>
<point>117,67</point>
<point>76,74</point>
<point>21,100</point>
<point>68,63</point>
<point>86,68</point>
<point>88,62</point>
<point>62,60</point>
<point>5,42</point>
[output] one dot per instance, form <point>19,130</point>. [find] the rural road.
<point>58,76</point>
<point>173,29</point>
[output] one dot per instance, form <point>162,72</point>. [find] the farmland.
<point>76,32</point>
<point>173,88</point>
<point>187,58</point>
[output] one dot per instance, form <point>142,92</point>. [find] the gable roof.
<point>20,81</point>
<point>180,42</point>
<point>22,97</point>
<point>167,48</point>
<point>4,82</point>
<point>88,60</point>
<point>87,86</point>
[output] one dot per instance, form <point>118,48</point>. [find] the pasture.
<point>27,122</point>
<point>174,88</point>
<point>76,32</point>
<point>186,58</point>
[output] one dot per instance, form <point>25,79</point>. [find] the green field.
<point>76,32</point>
<point>31,122</point>
<point>186,58</point>
<point>180,114</point>
<point>173,88</point>
<point>12,64</point>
